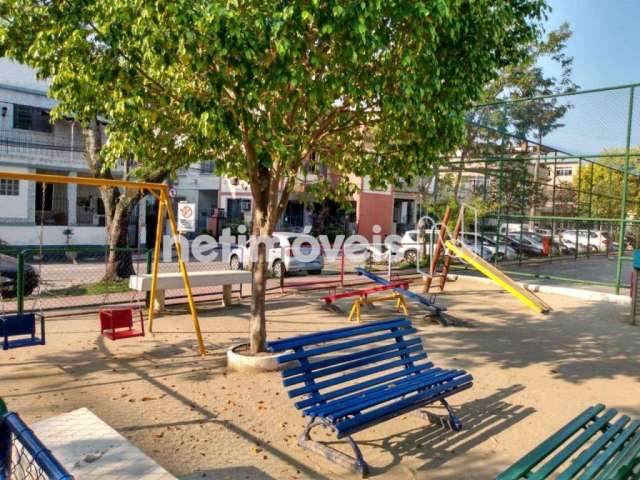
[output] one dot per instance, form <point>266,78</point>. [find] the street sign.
<point>186,217</point>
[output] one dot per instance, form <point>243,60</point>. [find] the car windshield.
<point>302,241</point>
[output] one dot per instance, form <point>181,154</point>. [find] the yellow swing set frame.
<point>161,192</point>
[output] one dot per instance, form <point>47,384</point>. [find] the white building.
<point>30,143</point>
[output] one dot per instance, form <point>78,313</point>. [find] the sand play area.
<point>532,374</point>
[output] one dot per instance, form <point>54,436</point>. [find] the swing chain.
<point>38,299</point>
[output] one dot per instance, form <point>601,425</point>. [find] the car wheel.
<point>234,263</point>
<point>278,269</point>
<point>410,256</point>
<point>315,272</point>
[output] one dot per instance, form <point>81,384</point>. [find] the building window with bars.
<point>35,119</point>
<point>564,172</point>
<point>207,167</point>
<point>9,188</point>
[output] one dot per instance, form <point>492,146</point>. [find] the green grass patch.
<point>98,288</point>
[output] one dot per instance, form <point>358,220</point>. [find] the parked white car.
<point>594,240</point>
<point>410,244</point>
<point>289,252</point>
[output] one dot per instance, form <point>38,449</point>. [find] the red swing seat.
<point>117,323</point>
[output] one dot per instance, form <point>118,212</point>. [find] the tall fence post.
<point>20,282</point>
<point>625,192</point>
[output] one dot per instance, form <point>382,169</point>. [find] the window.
<point>206,167</point>
<point>26,117</point>
<point>9,188</point>
<point>564,172</point>
<point>238,209</point>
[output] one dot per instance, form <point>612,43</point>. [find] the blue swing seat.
<point>21,325</point>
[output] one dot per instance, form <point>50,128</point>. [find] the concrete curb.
<point>246,363</point>
<point>566,291</point>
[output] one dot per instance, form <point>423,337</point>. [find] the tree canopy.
<point>270,89</point>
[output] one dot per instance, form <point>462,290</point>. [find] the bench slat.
<point>315,374</point>
<point>348,426</point>
<point>357,374</point>
<point>339,333</point>
<point>624,458</point>
<point>550,466</point>
<point>605,456</point>
<point>525,464</point>
<point>428,381</point>
<point>324,408</point>
<point>345,401</point>
<point>406,407</point>
<point>334,360</point>
<point>584,457</point>
<point>344,345</point>
<point>363,385</point>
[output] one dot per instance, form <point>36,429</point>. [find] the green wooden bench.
<point>591,446</point>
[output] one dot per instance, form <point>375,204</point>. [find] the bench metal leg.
<point>355,463</point>
<point>450,421</point>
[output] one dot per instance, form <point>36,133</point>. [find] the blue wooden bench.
<point>591,446</point>
<point>356,377</point>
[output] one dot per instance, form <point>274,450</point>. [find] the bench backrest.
<point>116,318</point>
<point>361,356</point>
<point>18,324</point>
<point>594,445</point>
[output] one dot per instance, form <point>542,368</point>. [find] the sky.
<point>606,40</point>
<point>605,47</point>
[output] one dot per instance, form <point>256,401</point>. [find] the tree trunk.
<point>267,210</point>
<point>320,218</point>
<point>119,261</point>
<point>258,325</point>
<point>458,182</point>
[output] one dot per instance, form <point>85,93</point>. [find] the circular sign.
<point>186,211</point>
<point>172,192</point>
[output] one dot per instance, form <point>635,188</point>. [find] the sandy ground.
<point>532,374</point>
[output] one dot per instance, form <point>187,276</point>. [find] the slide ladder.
<point>502,280</point>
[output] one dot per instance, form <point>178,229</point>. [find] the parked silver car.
<point>289,252</point>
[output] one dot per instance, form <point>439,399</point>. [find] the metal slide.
<point>502,280</point>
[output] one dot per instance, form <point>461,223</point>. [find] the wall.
<point>16,208</point>
<point>229,190</point>
<point>374,209</point>
<point>30,235</point>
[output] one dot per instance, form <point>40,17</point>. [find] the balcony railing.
<point>24,140</point>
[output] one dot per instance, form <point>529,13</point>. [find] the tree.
<point>83,95</point>
<point>376,88</point>
<point>600,185</point>
<point>118,204</point>
<point>528,119</point>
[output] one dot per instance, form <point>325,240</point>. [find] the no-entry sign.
<point>186,217</point>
